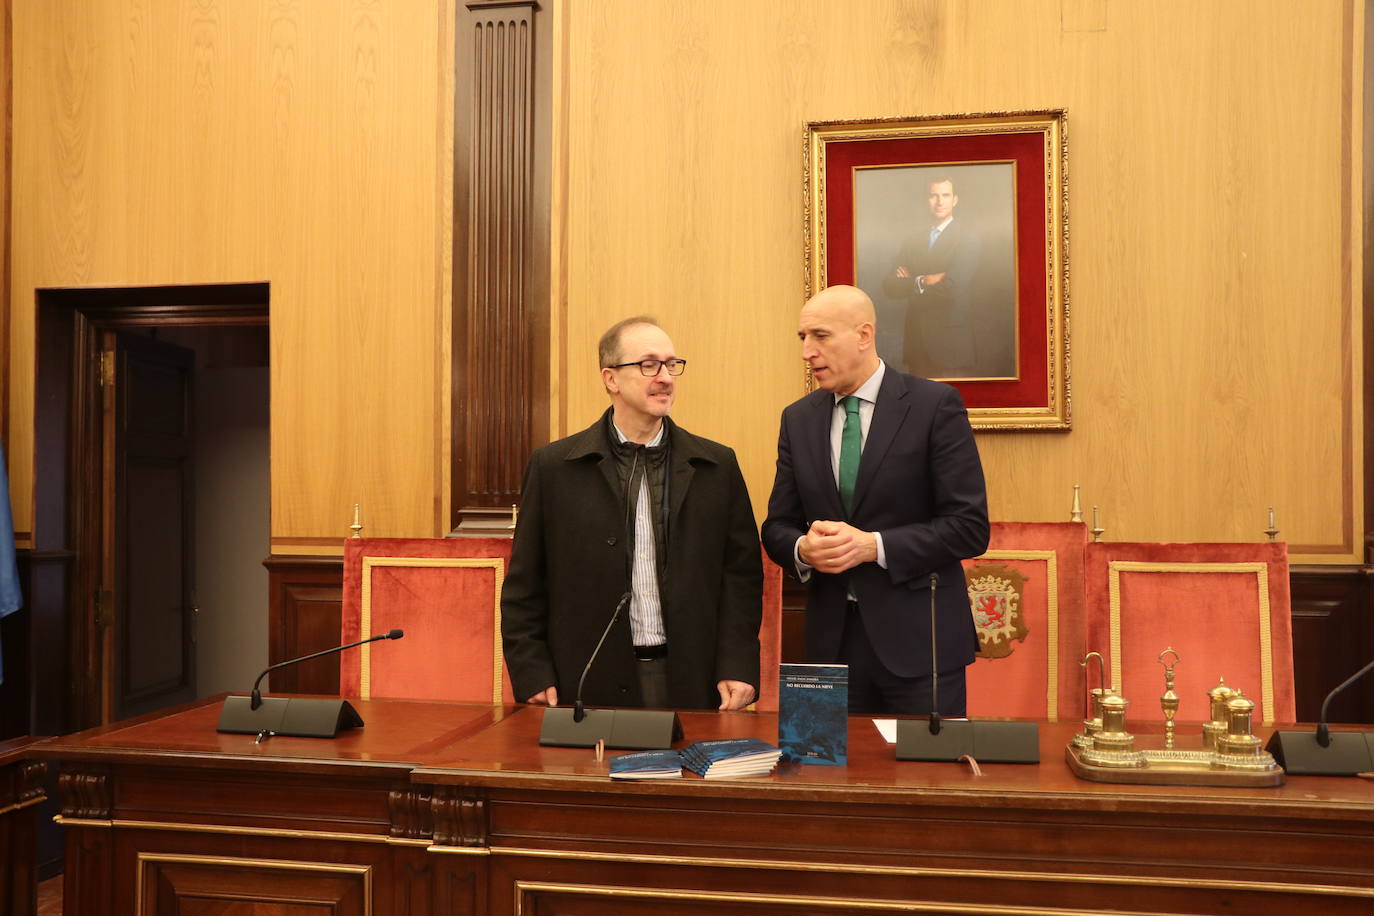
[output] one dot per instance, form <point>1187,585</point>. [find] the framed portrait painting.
<point>957,227</point>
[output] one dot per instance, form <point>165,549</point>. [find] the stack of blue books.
<point>647,765</point>
<point>730,757</point>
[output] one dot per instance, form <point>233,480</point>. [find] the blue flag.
<point>10,598</point>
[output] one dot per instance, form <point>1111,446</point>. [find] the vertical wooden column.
<point>500,257</point>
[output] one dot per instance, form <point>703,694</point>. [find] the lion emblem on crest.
<point>994,594</point>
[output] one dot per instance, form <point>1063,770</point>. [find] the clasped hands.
<point>833,547</point>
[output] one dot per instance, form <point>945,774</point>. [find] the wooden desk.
<point>446,808</point>
<point>21,791</point>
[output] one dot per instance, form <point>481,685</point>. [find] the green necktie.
<point>851,444</point>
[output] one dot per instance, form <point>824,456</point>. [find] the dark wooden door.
<point>150,542</point>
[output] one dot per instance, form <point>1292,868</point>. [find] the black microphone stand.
<point>984,741</point>
<point>301,717</point>
<point>629,729</point>
<point>580,711</point>
<point>934,662</point>
<point>257,697</point>
<point>1320,753</point>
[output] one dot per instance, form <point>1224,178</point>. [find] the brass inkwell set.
<point>1229,755</point>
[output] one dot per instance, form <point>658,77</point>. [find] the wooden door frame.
<point>68,468</point>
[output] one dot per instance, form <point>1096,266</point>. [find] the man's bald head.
<point>848,302</point>
<point>837,330</point>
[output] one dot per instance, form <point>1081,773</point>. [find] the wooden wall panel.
<point>1333,637</point>
<point>1216,341</point>
<point>1215,325</point>
<point>501,303</point>
<point>296,143</point>
<point>304,615</point>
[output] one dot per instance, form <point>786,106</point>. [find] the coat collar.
<point>684,452</point>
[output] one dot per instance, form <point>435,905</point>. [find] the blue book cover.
<point>813,713</point>
<point>727,748</point>
<point>647,765</point>
<point>730,756</point>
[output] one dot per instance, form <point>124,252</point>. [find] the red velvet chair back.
<point>1036,632</point>
<point>1224,608</point>
<point>446,594</point>
<point>770,637</point>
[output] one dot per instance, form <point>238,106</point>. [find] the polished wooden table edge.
<point>775,787</point>
<point>86,746</point>
<point>15,750</point>
<point>436,760</point>
<point>198,759</point>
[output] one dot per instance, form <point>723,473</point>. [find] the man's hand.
<point>546,697</point>
<point>734,694</point>
<point>903,273</point>
<point>833,547</point>
<point>932,279</point>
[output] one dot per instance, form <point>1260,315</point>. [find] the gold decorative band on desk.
<point>1229,755</point>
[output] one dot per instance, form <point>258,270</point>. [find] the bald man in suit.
<point>869,542</point>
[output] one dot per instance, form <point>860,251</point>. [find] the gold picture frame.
<point>957,227</point>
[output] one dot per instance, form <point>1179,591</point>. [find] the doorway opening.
<point>151,442</point>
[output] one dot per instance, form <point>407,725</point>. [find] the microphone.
<point>628,729</point>
<point>580,711</point>
<point>1320,753</point>
<point>934,664</point>
<point>256,699</point>
<point>1324,734</point>
<point>983,741</point>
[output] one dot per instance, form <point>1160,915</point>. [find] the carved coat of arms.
<point>994,594</point>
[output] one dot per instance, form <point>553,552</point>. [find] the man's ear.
<point>865,330</point>
<point>609,380</point>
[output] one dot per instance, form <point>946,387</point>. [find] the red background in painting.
<point>1027,150</point>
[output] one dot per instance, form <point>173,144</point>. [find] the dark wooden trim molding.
<point>1333,637</point>
<point>500,346</point>
<point>304,614</point>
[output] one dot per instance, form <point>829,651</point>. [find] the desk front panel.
<point>880,833</point>
<point>165,815</point>
<point>445,808</point>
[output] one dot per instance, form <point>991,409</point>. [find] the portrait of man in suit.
<point>877,497</point>
<point>935,248</point>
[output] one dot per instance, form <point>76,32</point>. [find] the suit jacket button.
<point>610,541</point>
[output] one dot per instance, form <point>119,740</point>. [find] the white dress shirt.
<point>867,393</point>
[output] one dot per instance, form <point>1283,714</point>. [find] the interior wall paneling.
<point>1333,637</point>
<point>304,614</point>
<point>1206,388</point>
<point>6,169</point>
<point>297,143</point>
<point>500,345</point>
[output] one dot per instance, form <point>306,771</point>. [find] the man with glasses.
<point>635,507</point>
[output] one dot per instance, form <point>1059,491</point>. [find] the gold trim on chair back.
<point>1266,647</point>
<point>496,564</point>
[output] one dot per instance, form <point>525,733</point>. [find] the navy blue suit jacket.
<point>921,485</point>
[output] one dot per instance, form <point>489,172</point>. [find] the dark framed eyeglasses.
<point>650,367</point>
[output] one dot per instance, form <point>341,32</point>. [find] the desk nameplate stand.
<point>623,729</point>
<point>985,742</point>
<point>300,717</point>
